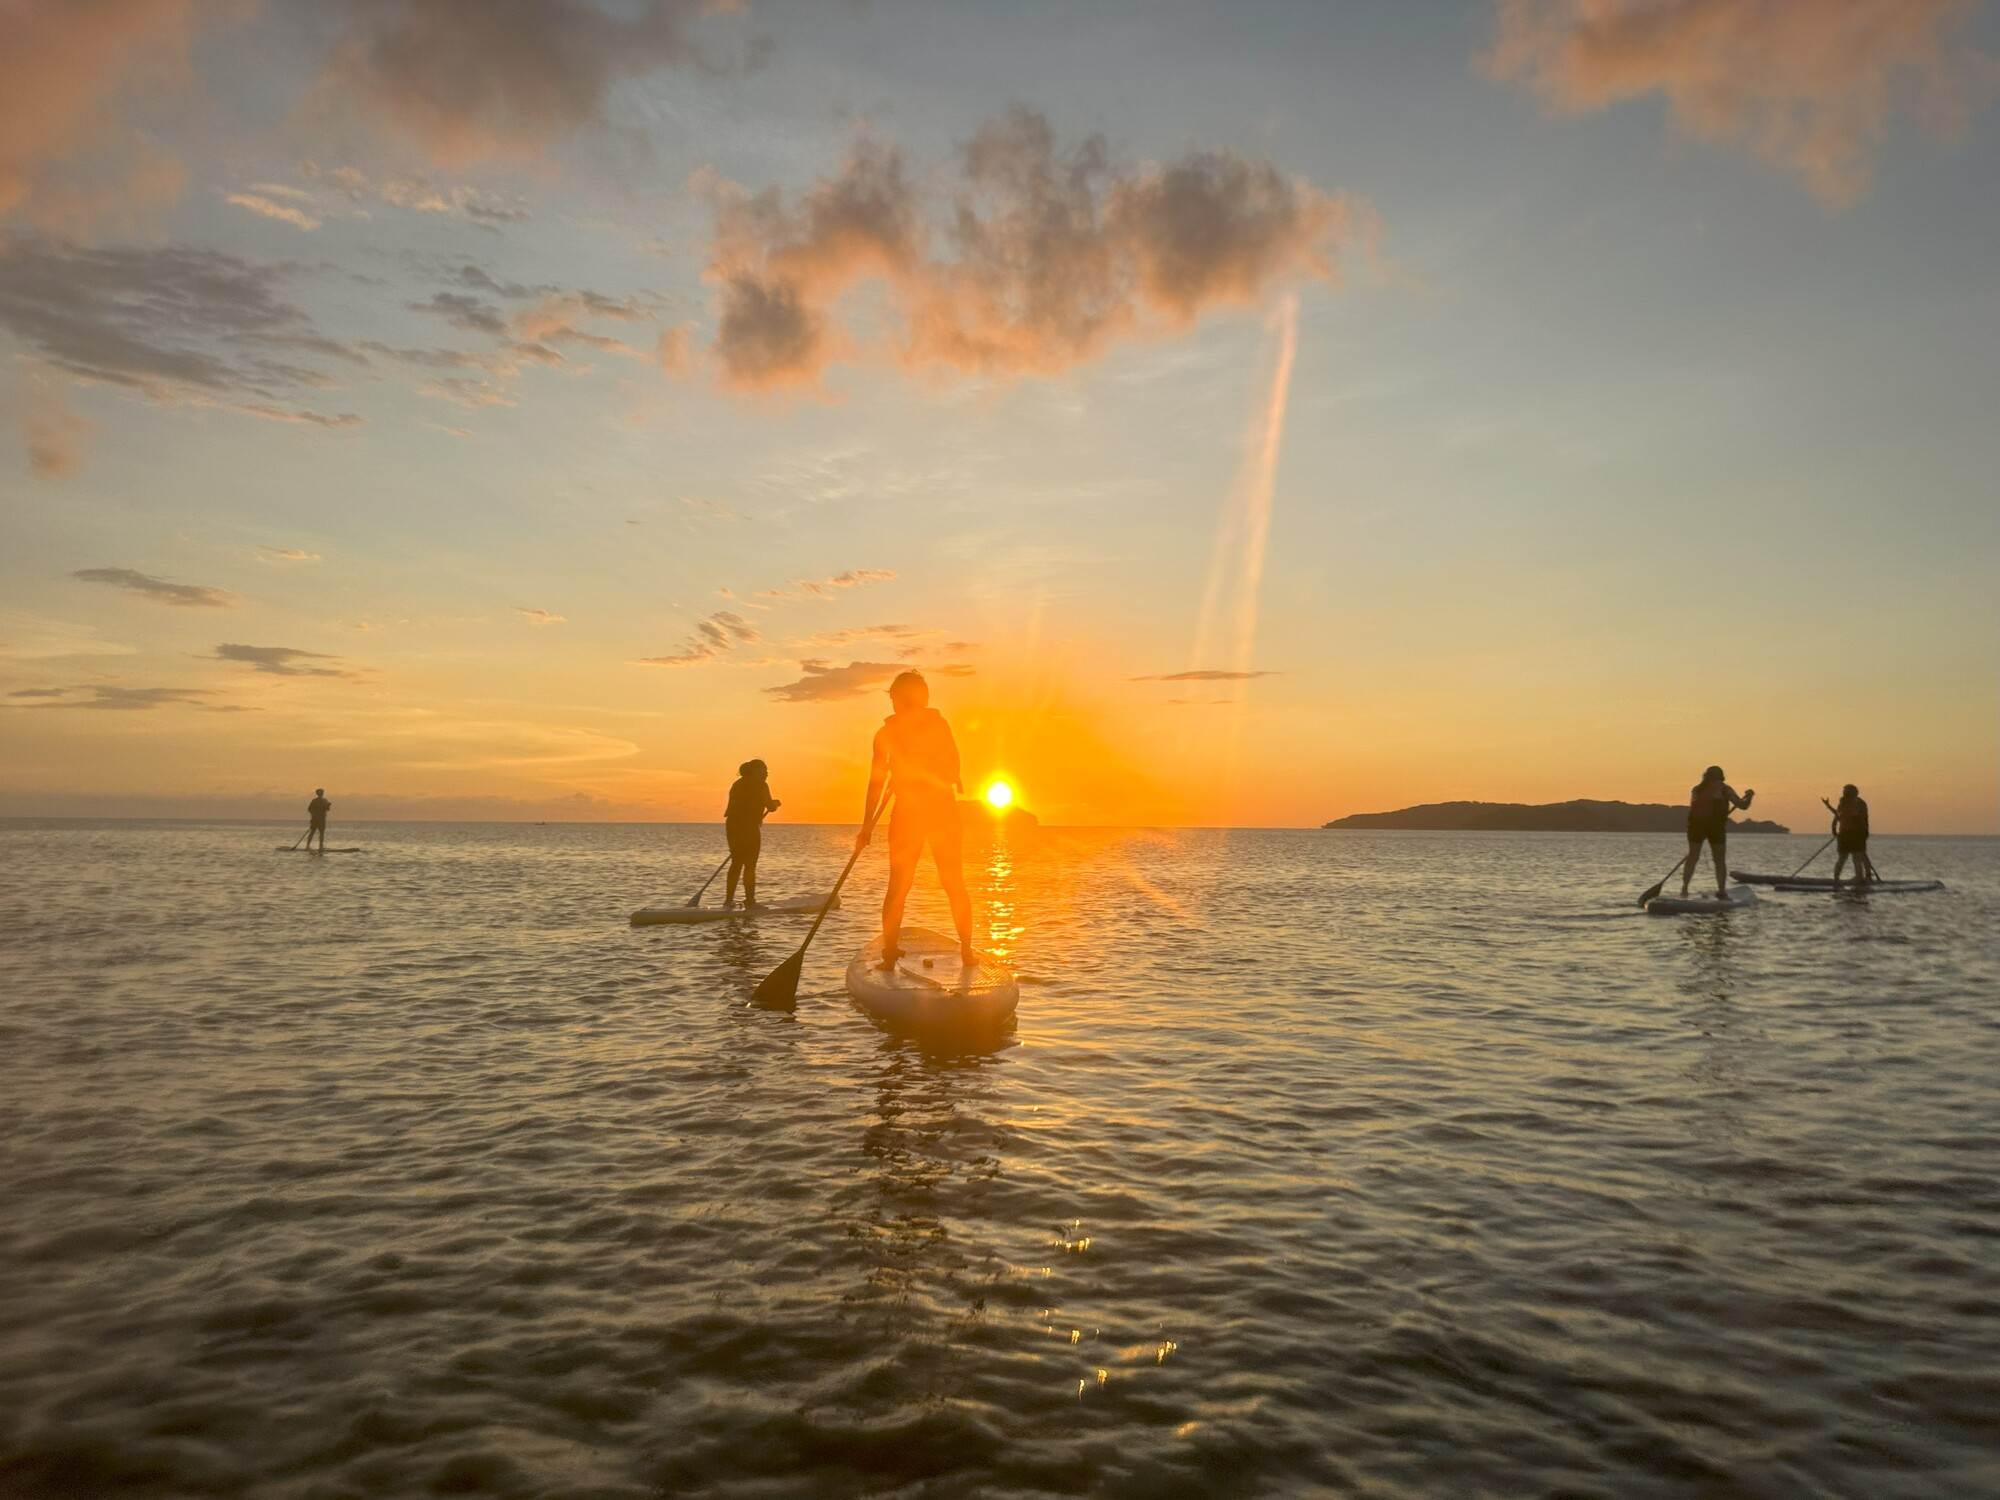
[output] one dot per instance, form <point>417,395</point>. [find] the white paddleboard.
<point>929,986</point>
<point>1684,906</point>
<point>684,916</point>
<point>1850,888</point>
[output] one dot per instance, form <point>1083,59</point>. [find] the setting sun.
<point>999,796</point>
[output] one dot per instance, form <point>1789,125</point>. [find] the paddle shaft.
<point>1815,855</point>
<point>303,837</point>
<point>1654,889</point>
<point>695,899</point>
<point>834,894</point>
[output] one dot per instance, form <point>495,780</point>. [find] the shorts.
<point>1852,843</point>
<point>745,842</point>
<point>1715,835</point>
<point>914,824</point>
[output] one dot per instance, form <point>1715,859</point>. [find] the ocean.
<point>1316,1163</point>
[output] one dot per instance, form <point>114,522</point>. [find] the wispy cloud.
<point>1050,253</point>
<point>719,633</point>
<point>1203,675</point>
<point>827,588</point>
<point>288,554</point>
<point>125,699</point>
<point>821,681</point>
<point>466,81</point>
<point>54,434</point>
<point>187,595</point>
<point>1810,88</point>
<point>539,616</point>
<point>266,208</point>
<point>280,661</point>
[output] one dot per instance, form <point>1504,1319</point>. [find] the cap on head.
<point>909,690</point>
<point>755,768</point>
<point>1713,773</point>
<point>1850,790</point>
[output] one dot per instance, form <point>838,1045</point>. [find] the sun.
<point>999,796</point>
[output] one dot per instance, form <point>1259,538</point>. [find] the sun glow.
<point>999,796</point>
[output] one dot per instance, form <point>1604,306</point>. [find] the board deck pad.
<point>687,916</point>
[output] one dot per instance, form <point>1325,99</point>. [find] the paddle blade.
<point>1650,892</point>
<point>780,989</point>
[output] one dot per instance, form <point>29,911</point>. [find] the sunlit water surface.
<point>1400,1164</point>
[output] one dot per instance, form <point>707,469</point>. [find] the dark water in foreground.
<point>1397,1164</point>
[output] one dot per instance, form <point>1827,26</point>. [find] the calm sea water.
<point>1393,1164</point>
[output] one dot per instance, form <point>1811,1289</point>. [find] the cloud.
<point>280,661</point>
<point>714,636</point>
<point>822,681</point>
<point>483,209</point>
<point>53,433</point>
<point>263,207</point>
<point>1204,675</point>
<point>540,616</point>
<point>298,416</point>
<point>172,323</point>
<point>288,554</point>
<point>187,595</point>
<point>852,633</point>
<point>1809,88</point>
<point>129,699</point>
<point>467,80</point>
<point>827,588</point>
<point>66,163</point>
<point>461,311</point>
<point>1042,254</point>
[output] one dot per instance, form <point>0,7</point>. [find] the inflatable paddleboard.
<point>1849,887</point>
<point>683,916</point>
<point>289,849</point>
<point>929,986</point>
<point>1685,906</point>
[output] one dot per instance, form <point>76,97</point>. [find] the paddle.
<point>695,899</point>
<point>1815,855</point>
<point>780,989</point>
<point>1654,889</point>
<point>301,838</point>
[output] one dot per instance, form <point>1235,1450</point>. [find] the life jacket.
<point>923,757</point>
<point>1853,816</point>
<point>1708,804</point>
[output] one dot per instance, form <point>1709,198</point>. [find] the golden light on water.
<point>999,796</point>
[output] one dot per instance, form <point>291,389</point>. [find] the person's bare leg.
<point>750,885</point>
<point>951,875</point>
<point>729,886</point>
<point>1839,864</point>
<point>1687,866</point>
<point>1721,852</point>
<point>902,873</point>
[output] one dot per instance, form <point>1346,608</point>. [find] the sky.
<point>1243,414</point>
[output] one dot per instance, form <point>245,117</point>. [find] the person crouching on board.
<point>316,810</point>
<point>917,758</point>
<point>1850,832</point>
<point>1708,823</point>
<point>743,823</point>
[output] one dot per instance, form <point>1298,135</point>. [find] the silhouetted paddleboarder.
<point>1850,833</point>
<point>316,810</point>
<point>743,823</point>
<point>916,758</point>
<point>1708,822</point>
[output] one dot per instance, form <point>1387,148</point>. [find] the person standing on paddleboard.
<point>916,759</point>
<point>316,810</point>
<point>743,823</point>
<point>1850,832</point>
<point>1708,822</point>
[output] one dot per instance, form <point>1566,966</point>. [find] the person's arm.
<point>771,804</point>
<point>1743,801</point>
<point>878,774</point>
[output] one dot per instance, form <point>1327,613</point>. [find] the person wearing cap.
<point>743,824</point>
<point>317,809</point>
<point>1708,823</point>
<point>915,761</point>
<point>1850,832</point>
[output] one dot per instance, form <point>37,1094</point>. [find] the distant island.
<point>1583,816</point>
<point>977,813</point>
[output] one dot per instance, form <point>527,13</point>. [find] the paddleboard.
<point>1828,888</point>
<point>1684,906</point>
<point>929,986</point>
<point>288,849</point>
<point>684,916</point>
